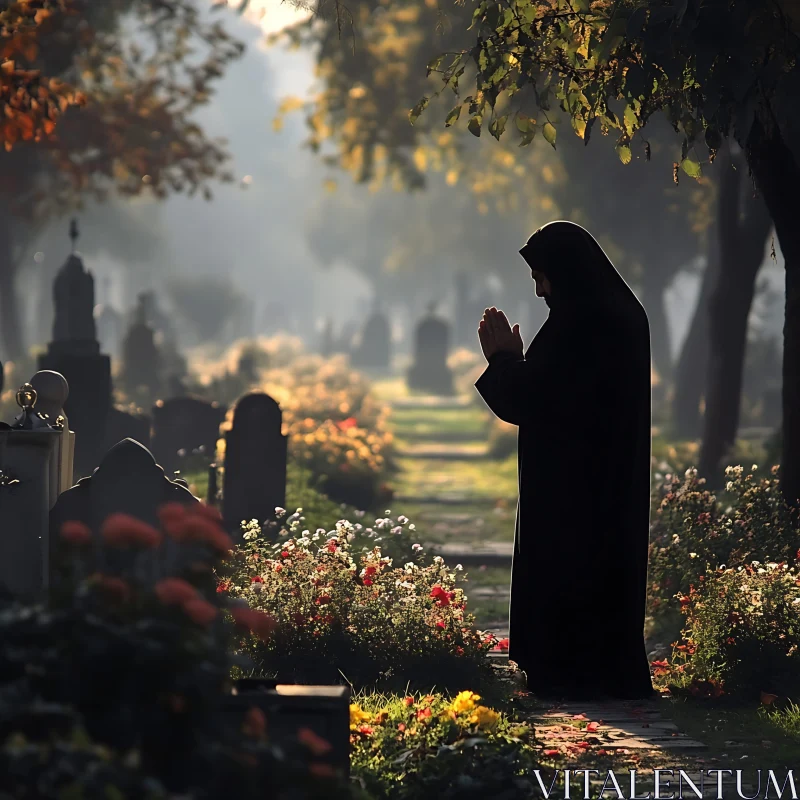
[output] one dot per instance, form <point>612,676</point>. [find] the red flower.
<point>223,587</point>
<point>366,730</point>
<point>284,554</point>
<point>256,579</point>
<point>200,611</point>
<point>123,529</point>
<point>459,651</point>
<point>76,533</point>
<point>255,723</point>
<point>332,546</point>
<point>175,591</point>
<point>345,424</point>
<point>502,646</point>
<point>424,713</point>
<point>401,727</point>
<point>440,624</point>
<point>409,701</point>
<point>257,622</point>
<point>370,571</point>
<point>551,752</point>
<point>440,595</point>
<point>116,588</point>
<point>315,743</point>
<point>367,582</point>
<point>325,599</point>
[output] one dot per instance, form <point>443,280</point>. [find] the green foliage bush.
<point>344,608</point>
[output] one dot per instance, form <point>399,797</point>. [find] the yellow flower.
<point>465,701</point>
<point>357,716</point>
<point>485,718</point>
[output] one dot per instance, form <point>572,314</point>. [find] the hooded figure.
<point>580,395</point>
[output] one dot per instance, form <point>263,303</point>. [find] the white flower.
<point>388,511</point>
<point>402,519</point>
<point>320,531</point>
<point>351,537</point>
<point>438,560</point>
<point>280,511</point>
<point>729,486</point>
<point>692,555</point>
<point>458,568</point>
<point>397,529</point>
<point>416,547</point>
<point>358,526</point>
<point>359,514</point>
<point>796,601</point>
<point>412,527</point>
<point>754,468</point>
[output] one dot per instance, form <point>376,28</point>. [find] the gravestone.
<point>52,391</point>
<point>26,469</point>
<point>109,323</point>
<point>75,353</point>
<point>185,432</point>
<point>128,481</point>
<point>142,359</point>
<point>173,363</point>
<point>255,462</point>
<point>122,425</point>
<point>328,339</point>
<point>374,349</point>
<point>429,372</point>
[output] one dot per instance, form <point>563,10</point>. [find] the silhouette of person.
<point>580,395</point>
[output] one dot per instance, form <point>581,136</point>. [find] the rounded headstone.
<point>52,391</point>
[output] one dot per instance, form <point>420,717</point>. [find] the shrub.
<point>115,689</point>
<point>342,607</point>
<point>742,634</point>
<point>435,746</point>
<point>692,531</point>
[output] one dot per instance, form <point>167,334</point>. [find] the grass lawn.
<point>441,424</point>
<point>753,737</point>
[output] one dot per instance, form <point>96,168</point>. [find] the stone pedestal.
<point>24,510</point>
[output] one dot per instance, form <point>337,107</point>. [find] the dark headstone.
<point>429,371</point>
<point>109,323</point>
<point>255,462</point>
<point>128,481</point>
<point>142,359</point>
<point>185,430</point>
<point>75,353</point>
<point>374,348</point>
<point>122,425</point>
<point>328,342</point>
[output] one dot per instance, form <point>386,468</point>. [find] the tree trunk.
<point>692,368</point>
<point>655,304</point>
<point>777,176</point>
<point>743,226</point>
<point>10,321</point>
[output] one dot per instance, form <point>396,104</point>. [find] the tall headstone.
<point>185,430</point>
<point>75,353</point>
<point>255,462</point>
<point>429,372</point>
<point>374,348</point>
<point>328,339</point>
<point>142,361</point>
<point>128,481</point>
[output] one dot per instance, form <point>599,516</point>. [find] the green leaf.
<point>474,126</point>
<point>630,120</point>
<point>527,137</point>
<point>549,133</point>
<point>614,36</point>
<point>579,126</point>
<point>415,112</point>
<point>624,153</point>
<point>581,5</point>
<point>498,126</point>
<point>691,168</point>
<point>435,63</point>
<point>452,116</point>
<point>525,124</point>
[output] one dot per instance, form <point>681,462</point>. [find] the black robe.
<point>581,398</point>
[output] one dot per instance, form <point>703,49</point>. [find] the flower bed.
<point>117,688</point>
<point>435,746</point>
<point>742,634</point>
<point>344,608</point>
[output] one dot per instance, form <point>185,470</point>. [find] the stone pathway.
<point>442,452</point>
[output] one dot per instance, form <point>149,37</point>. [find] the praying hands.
<point>496,334</point>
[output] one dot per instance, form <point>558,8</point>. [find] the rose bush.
<point>692,531</point>
<point>343,607</point>
<point>742,634</point>
<point>116,687</point>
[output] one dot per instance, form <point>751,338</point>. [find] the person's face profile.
<point>543,288</point>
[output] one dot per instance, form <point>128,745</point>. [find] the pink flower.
<point>123,529</point>
<point>175,591</point>
<point>200,611</point>
<point>76,533</point>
